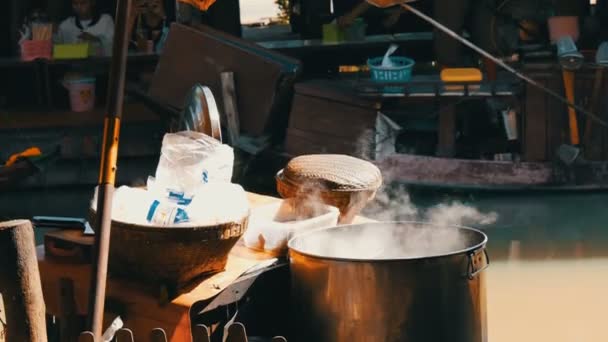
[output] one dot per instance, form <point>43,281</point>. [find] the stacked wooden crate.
<point>329,117</point>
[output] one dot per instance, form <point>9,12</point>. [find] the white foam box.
<point>271,226</point>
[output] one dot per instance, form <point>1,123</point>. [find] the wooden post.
<point>447,130</point>
<point>20,283</point>
<point>68,319</point>
<point>230,106</point>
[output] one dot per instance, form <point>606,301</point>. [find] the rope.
<point>504,65</point>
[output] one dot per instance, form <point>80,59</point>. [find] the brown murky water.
<point>549,300</point>
<point>548,280</point>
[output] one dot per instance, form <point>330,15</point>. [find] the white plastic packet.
<point>190,159</point>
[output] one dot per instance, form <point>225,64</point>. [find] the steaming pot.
<point>401,281</point>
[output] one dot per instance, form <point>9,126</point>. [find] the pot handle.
<point>474,261</point>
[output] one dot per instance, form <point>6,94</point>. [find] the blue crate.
<point>400,73</point>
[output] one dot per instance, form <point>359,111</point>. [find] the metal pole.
<point>482,52</point>
<point>107,171</point>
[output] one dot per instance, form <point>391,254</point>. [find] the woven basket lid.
<point>333,172</point>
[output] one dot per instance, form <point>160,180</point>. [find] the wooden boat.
<point>11,176</point>
<point>485,175</point>
<point>322,106</point>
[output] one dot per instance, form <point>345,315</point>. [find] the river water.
<point>548,276</point>
<point>549,272</point>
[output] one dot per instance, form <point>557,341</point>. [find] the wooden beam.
<point>447,130</point>
<point>20,283</point>
<point>535,125</point>
<point>231,111</point>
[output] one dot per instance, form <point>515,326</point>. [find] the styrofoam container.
<point>272,225</point>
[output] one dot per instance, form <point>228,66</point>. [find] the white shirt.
<point>68,32</point>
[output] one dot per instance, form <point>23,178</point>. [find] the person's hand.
<point>393,18</point>
<point>88,37</point>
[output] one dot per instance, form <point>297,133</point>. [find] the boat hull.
<point>484,175</point>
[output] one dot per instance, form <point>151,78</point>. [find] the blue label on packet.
<point>181,216</point>
<point>184,201</point>
<point>179,197</point>
<point>164,214</point>
<point>152,210</point>
<point>205,176</point>
<point>175,194</point>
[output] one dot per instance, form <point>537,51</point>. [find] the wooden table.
<point>66,286</point>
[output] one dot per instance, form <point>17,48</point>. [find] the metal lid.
<point>200,113</point>
<point>333,172</point>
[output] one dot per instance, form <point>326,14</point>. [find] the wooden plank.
<point>603,131</point>
<point>134,113</point>
<point>447,130</point>
<point>592,136</point>
<point>535,130</point>
<point>230,106</point>
<point>330,117</point>
<point>305,142</point>
<point>557,117</point>
<point>261,73</point>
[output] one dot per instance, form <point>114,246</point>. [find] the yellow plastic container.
<point>71,51</point>
<point>332,33</point>
<point>461,75</point>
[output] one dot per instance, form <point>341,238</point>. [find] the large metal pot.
<point>380,282</point>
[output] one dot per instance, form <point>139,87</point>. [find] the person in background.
<point>221,15</point>
<point>146,25</point>
<point>87,25</point>
<point>474,15</point>
<point>458,15</point>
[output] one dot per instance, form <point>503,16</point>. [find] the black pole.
<point>107,171</point>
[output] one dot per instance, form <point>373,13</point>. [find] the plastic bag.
<point>217,203</point>
<point>189,160</point>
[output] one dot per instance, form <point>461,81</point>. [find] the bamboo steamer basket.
<point>170,257</point>
<point>341,181</point>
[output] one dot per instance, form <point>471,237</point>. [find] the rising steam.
<point>393,203</point>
